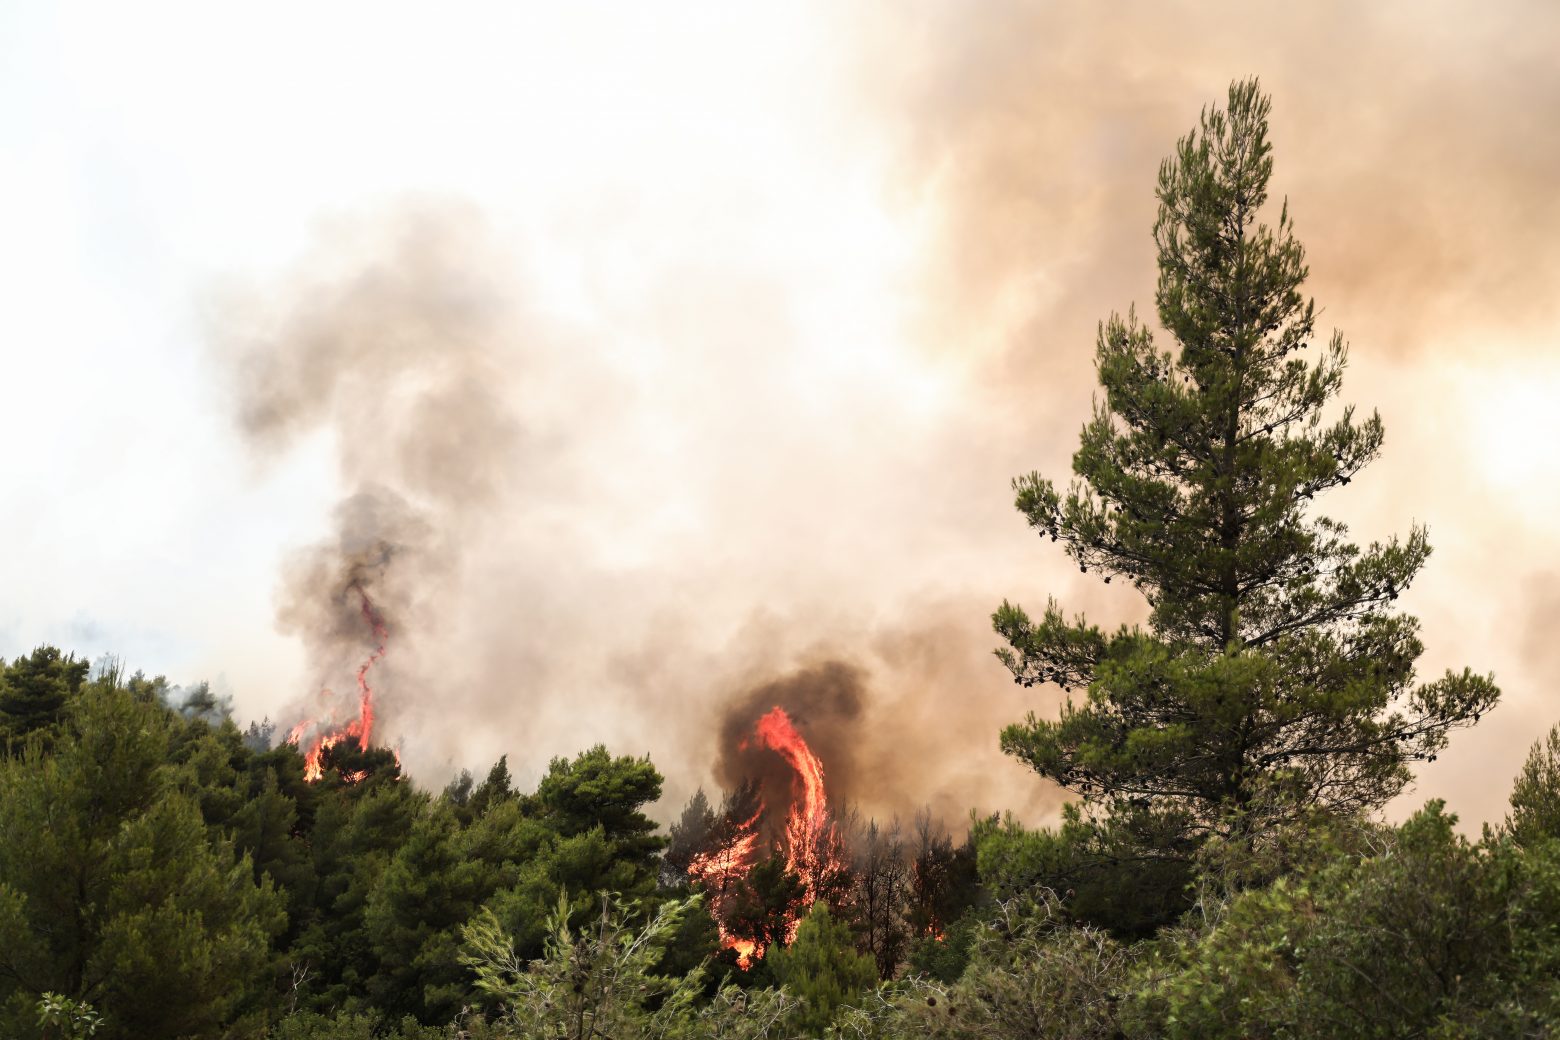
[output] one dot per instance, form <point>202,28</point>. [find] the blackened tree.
<point>880,870</point>
<point>1274,674</point>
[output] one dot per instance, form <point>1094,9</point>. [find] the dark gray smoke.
<point>825,703</point>
<point>393,341</point>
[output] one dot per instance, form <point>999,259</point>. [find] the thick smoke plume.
<point>503,514</point>
<point>825,703</point>
<point>738,424</point>
<point>393,344</point>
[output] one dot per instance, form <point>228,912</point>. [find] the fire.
<point>746,949</point>
<point>361,727</point>
<point>811,847</point>
<point>810,844</point>
<point>718,870</point>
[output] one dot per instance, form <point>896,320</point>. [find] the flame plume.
<point>809,840</point>
<point>811,846</point>
<point>360,728</point>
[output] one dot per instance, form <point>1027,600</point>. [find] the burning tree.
<point>319,737</point>
<point>758,889</point>
<point>1275,675</point>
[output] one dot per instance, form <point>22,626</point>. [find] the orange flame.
<point>811,845</point>
<point>361,727</point>
<point>746,949</point>
<point>717,872</point>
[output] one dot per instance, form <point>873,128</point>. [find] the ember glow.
<point>809,841</point>
<point>328,733</point>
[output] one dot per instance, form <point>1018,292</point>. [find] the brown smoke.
<point>496,490</point>
<point>1412,143</point>
<point>1411,139</point>
<point>902,718</point>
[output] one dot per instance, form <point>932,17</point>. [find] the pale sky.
<point>782,295</point>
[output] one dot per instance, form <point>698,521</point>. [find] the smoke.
<point>549,579</point>
<point>903,719</point>
<point>1407,138</point>
<point>825,703</point>
<point>394,341</point>
<point>730,422</point>
<point>1408,142</point>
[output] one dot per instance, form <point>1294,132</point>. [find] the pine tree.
<point>114,892</point>
<point>688,837</point>
<point>822,968</point>
<point>1274,674</point>
<point>34,691</point>
<point>1535,798</point>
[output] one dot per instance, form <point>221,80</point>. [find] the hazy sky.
<point>693,345</point>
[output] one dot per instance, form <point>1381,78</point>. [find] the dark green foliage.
<point>33,692</point>
<point>944,882</point>
<point>1127,873</point>
<point>596,790</point>
<point>582,833</point>
<point>348,762</point>
<point>944,956</point>
<point>693,943</point>
<point>146,855</point>
<point>307,1025</point>
<point>599,981</point>
<point>1424,935</point>
<point>689,836</point>
<point>397,874</point>
<point>113,890</point>
<point>151,846</point>
<point>498,787</point>
<point>822,969</point>
<point>1031,976</point>
<point>199,703</point>
<point>1535,799</point>
<point>429,888</point>
<point>1275,673</point>
<point>356,831</point>
<point>266,827</point>
<point>1361,930</point>
<point>765,902</point>
<point>458,793</point>
<point>259,736</point>
<point>470,799</point>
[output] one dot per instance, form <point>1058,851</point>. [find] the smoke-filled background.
<point>653,363</point>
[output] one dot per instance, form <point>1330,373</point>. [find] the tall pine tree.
<point>1275,674</point>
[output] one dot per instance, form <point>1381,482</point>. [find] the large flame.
<point>362,727</point>
<point>811,847</point>
<point>810,844</point>
<point>718,870</point>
